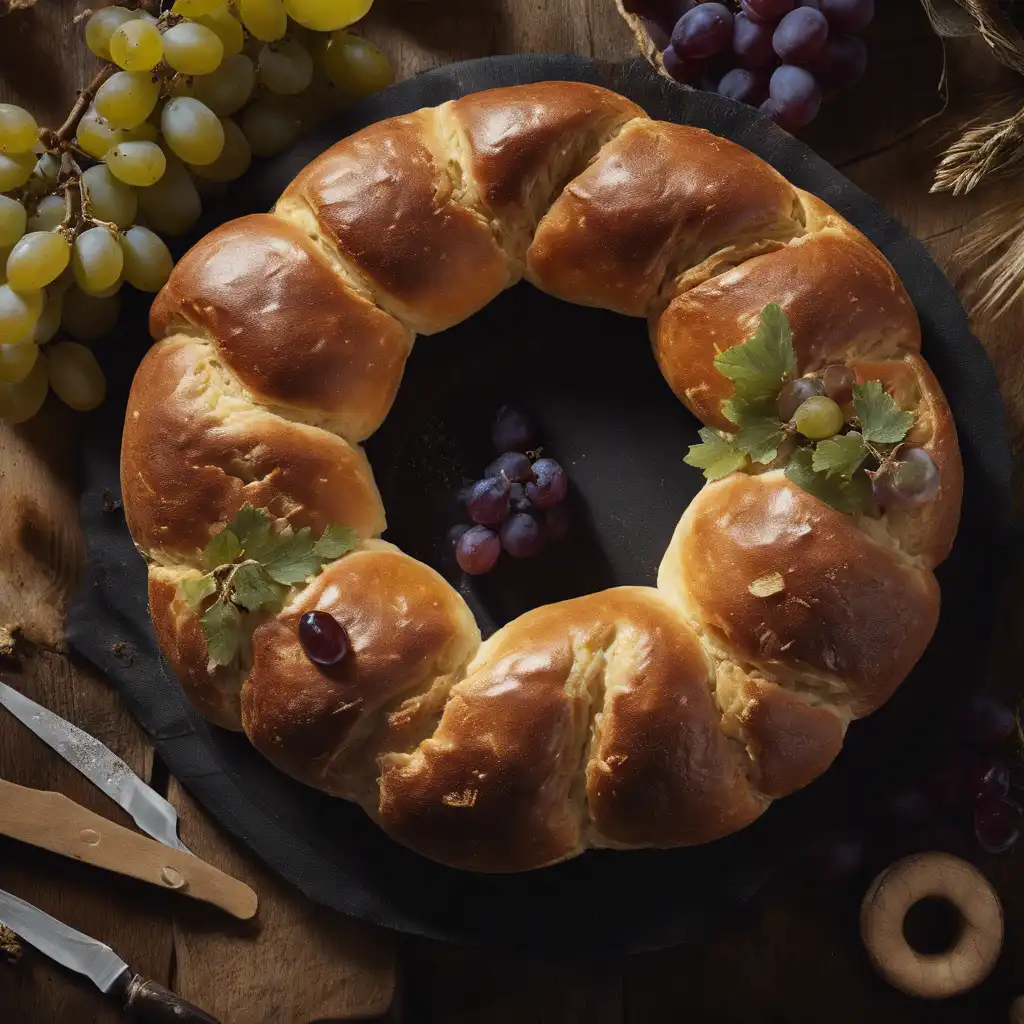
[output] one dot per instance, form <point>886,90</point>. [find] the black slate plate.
<point>609,416</point>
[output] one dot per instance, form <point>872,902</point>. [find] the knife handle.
<point>146,1002</point>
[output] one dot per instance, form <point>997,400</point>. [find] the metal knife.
<point>100,765</point>
<point>144,1001</point>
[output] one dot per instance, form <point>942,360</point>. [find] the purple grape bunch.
<point>777,55</point>
<point>517,506</point>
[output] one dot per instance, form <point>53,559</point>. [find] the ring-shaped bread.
<point>629,718</point>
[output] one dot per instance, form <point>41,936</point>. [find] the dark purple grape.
<point>712,73</point>
<point>478,550</point>
<point>910,478</point>
<point>995,783</point>
<point>911,806</point>
<point>987,721</point>
<point>513,430</point>
<point>515,466</point>
<point>659,36</point>
<point>522,536</point>
<point>795,96</point>
<point>766,10</point>
<point>848,15</point>
<point>842,61</point>
<point>455,534</point>
<point>768,109</point>
<point>551,484</point>
<point>703,32</point>
<point>557,522</point>
<point>488,500</point>
<point>800,35</point>
<point>813,4</point>
<point>323,638</point>
<point>838,382</point>
<point>518,500</point>
<point>996,824</point>
<point>750,87</point>
<point>795,393</point>
<point>752,45</point>
<point>681,69</point>
<point>839,855</point>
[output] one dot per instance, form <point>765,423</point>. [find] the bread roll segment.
<point>629,718</point>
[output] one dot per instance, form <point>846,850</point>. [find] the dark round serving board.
<point>609,416</point>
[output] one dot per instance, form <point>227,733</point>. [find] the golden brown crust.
<point>658,199</point>
<point>286,325</point>
<point>408,630</point>
<point>852,617</point>
<point>839,292</point>
<point>193,453</point>
<point>384,199</point>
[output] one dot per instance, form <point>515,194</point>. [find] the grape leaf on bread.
<point>717,455</point>
<point>882,421</point>
<point>761,365</point>
<point>840,456</point>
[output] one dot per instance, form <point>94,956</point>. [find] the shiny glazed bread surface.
<point>639,716</point>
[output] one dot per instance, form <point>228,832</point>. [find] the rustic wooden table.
<point>792,957</point>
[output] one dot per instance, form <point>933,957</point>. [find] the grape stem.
<point>53,140</point>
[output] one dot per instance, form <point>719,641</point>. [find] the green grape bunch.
<point>186,97</point>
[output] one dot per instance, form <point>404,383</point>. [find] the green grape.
<point>234,159</point>
<point>102,25</point>
<point>13,220</point>
<point>147,260</point>
<point>265,19</point>
<point>38,259</point>
<point>97,260</point>
<point>355,66</point>
<point>16,362</point>
<point>88,317</point>
<point>196,8</point>
<point>286,68</point>
<point>228,28</point>
<point>270,127</point>
<point>107,198</point>
<point>327,15</point>
<point>193,49</point>
<point>21,401</point>
<point>127,98</point>
<point>19,311</point>
<point>136,46</point>
<point>75,376</point>
<point>145,132</point>
<point>137,163</point>
<point>18,129</point>
<point>49,320</point>
<point>15,170</point>
<point>95,135</point>
<point>227,89</point>
<point>819,417</point>
<point>171,206</point>
<point>49,214</point>
<point>192,130</point>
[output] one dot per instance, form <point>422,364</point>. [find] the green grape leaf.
<point>761,440</point>
<point>195,591</point>
<point>252,528</point>
<point>222,627</point>
<point>252,587</point>
<point>882,421</point>
<point>291,559</point>
<point>843,495</point>
<point>841,455</point>
<point>223,549</point>
<point>335,541</point>
<point>760,366</point>
<point>718,455</point>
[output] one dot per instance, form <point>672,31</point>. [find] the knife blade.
<point>100,765</point>
<point>144,1001</point>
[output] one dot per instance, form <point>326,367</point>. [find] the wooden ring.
<point>907,882</point>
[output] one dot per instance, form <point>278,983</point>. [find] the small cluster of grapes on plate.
<point>518,505</point>
<point>772,54</point>
<point>818,407</point>
<point>972,786</point>
<point>184,101</point>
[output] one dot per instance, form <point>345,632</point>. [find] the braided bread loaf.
<point>633,717</point>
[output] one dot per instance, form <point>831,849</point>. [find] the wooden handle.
<point>149,1003</point>
<point>53,822</point>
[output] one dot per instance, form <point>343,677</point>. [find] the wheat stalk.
<point>997,287</point>
<point>981,151</point>
<point>998,31</point>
